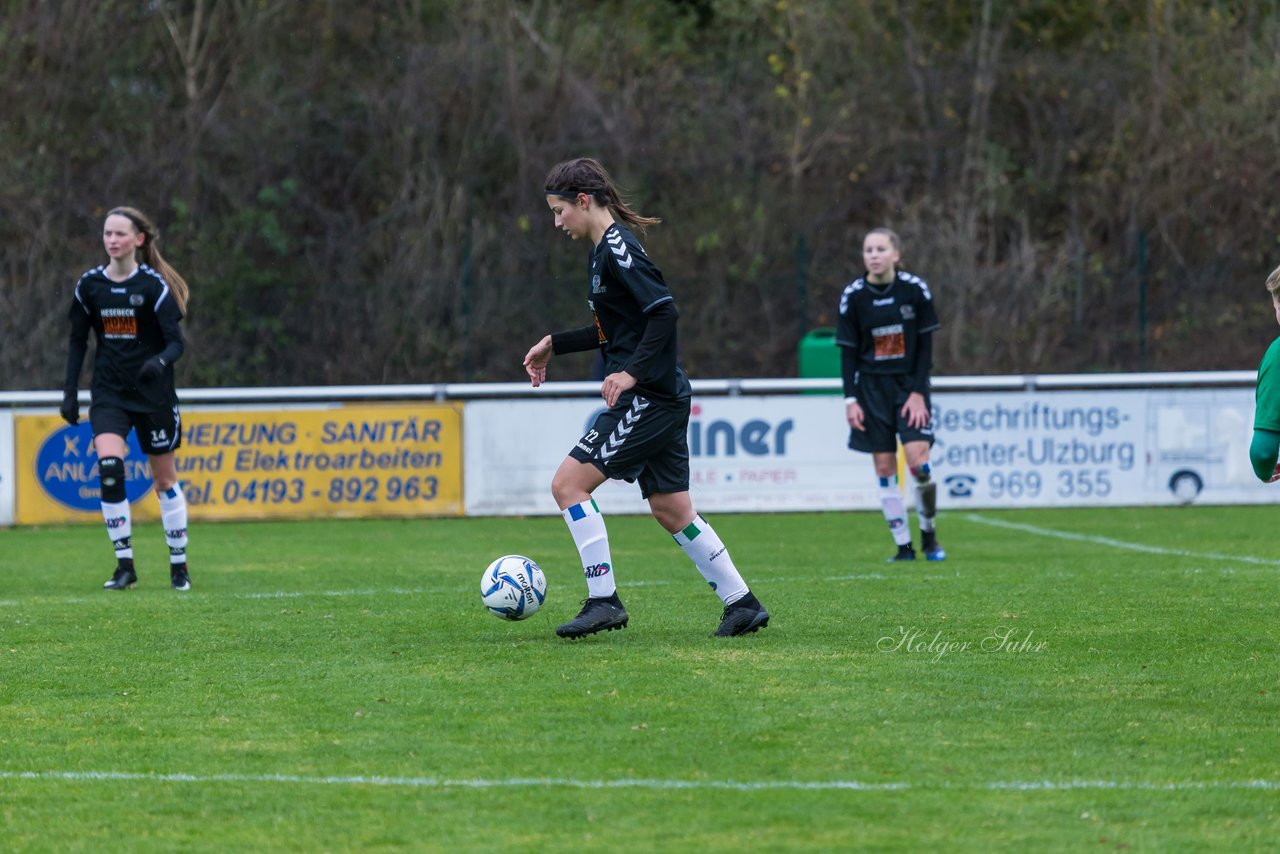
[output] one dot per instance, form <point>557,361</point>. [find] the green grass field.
<point>1085,679</point>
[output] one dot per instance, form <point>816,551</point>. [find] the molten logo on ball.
<point>513,587</point>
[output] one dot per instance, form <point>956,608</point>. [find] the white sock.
<point>895,512</point>
<point>704,548</point>
<point>586,524</point>
<point>119,527</point>
<point>173,513</point>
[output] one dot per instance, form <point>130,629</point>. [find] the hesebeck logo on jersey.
<point>67,468</point>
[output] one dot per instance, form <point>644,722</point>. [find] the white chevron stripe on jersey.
<point>618,247</point>
<point>624,426</point>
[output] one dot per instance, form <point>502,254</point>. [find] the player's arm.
<point>927,322</point>
<point>170,320</point>
<point>915,410</point>
<point>77,347</point>
<point>643,281</point>
<point>170,329</point>
<point>848,339</point>
<point>574,340</point>
<point>77,343</point>
<point>659,328</point>
<point>569,341</point>
<point>1264,455</point>
<point>923,365</point>
<point>850,376</point>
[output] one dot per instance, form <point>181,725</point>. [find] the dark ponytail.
<point>586,175</point>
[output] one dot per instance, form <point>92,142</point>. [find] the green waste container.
<point>819,356</point>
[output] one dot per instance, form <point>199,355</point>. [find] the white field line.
<point>339,594</point>
<point>875,576</point>
<point>435,591</point>
<point>374,591</point>
<point>1119,544</point>
<point>411,591</point>
<point>399,591</point>
<point>625,783</point>
<point>300,594</point>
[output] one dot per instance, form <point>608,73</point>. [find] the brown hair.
<point>889,233</point>
<point>585,175</point>
<point>149,254</point>
<point>1273,285</point>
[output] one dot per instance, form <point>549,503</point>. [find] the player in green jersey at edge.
<point>1265,448</point>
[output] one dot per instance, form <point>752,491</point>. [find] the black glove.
<point>151,371</point>
<point>70,408</point>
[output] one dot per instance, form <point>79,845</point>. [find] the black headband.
<point>133,219</point>
<point>568,194</point>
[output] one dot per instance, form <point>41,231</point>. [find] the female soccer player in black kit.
<point>133,303</point>
<point>885,333</point>
<point>644,433</point>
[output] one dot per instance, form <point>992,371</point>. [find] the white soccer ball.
<point>513,587</point>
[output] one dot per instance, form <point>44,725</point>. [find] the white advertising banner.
<point>1042,448</point>
<point>6,468</point>
<point>994,449</point>
<point>784,452</point>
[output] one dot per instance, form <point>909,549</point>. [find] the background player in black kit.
<point>133,303</point>
<point>885,332</point>
<point>644,433</point>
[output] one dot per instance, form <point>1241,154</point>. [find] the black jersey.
<point>625,288</point>
<point>882,324</point>
<point>133,320</point>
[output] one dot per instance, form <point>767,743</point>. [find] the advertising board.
<point>334,461</point>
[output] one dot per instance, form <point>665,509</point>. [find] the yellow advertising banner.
<point>341,461</point>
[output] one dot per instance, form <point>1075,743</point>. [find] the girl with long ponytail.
<point>134,304</point>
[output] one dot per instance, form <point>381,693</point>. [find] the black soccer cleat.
<point>743,617</point>
<point>597,615</point>
<point>930,547</point>
<point>123,578</point>
<point>905,553</point>
<point>178,577</point>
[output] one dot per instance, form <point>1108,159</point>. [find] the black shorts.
<point>159,432</point>
<point>882,397</point>
<point>640,439</point>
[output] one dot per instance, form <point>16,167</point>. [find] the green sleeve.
<point>1263,453</point>
<point>1267,394</point>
